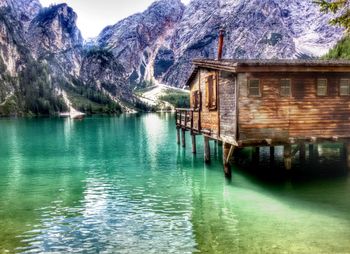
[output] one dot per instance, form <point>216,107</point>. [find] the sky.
<point>94,15</point>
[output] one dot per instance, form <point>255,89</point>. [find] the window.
<point>196,99</point>
<point>210,89</point>
<point>254,87</point>
<point>344,87</point>
<point>322,87</point>
<point>285,87</point>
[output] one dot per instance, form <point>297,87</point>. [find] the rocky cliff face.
<point>136,40</point>
<point>24,10</point>
<point>42,52</point>
<point>53,35</point>
<point>101,69</point>
<point>13,54</point>
<point>254,29</point>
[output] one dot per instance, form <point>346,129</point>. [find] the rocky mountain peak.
<point>53,33</point>
<point>134,41</point>
<point>56,27</point>
<point>254,29</point>
<point>25,10</point>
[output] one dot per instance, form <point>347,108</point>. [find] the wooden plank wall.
<point>227,104</point>
<point>209,118</point>
<point>302,115</point>
<point>195,87</point>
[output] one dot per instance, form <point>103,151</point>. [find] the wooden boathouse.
<point>254,103</point>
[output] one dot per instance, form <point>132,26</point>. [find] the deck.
<point>188,119</point>
<point>185,120</point>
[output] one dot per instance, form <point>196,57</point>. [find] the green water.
<point>122,185</point>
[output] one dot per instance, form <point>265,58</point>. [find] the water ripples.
<point>113,219</point>
<point>122,185</point>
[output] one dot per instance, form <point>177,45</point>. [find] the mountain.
<point>45,65</point>
<point>135,40</point>
<point>254,29</point>
<point>53,35</point>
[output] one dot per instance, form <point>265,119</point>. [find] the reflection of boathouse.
<point>253,103</point>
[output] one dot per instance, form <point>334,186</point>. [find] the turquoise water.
<point>122,185</point>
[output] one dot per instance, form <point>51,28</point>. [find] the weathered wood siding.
<point>209,118</point>
<point>302,115</point>
<point>195,87</point>
<point>227,106</point>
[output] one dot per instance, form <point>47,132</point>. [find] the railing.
<point>184,118</point>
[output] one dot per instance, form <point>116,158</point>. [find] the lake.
<point>122,185</point>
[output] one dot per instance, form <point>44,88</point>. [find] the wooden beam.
<point>316,153</point>
<point>232,150</point>
<point>206,150</point>
<point>227,153</point>
<point>256,155</point>
<point>302,152</point>
<point>343,152</point>
<point>347,147</point>
<point>287,155</point>
<point>194,147</point>
<point>311,152</point>
<point>272,154</point>
<point>178,135</point>
<point>295,150</point>
<point>183,136</point>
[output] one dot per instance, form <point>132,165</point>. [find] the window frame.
<point>211,91</point>
<point>317,85</point>
<point>344,79</point>
<point>196,99</point>
<point>290,87</point>
<point>249,88</point>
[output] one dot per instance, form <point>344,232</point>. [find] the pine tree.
<point>338,7</point>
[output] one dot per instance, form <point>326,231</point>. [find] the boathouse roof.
<point>270,65</point>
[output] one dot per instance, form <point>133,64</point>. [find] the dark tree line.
<point>90,99</point>
<point>36,92</point>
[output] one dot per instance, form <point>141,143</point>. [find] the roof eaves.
<point>217,65</point>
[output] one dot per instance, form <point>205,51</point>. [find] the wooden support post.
<point>311,152</point>
<point>256,155</point>
<point>228,151</point>
<point>343,152</point>
<point>206,150</point>
<point>191,120</point>
<point>183,136</point>
<point>302,152</point>
<point>347,149</point>
<point>194,148</point>
<point>180,118</point>
<point>272,154</point>
<point>316,153</point>
<point>176,112</point>
<point>215,148</point>
<point>178,136</point>
<point>287,155</point>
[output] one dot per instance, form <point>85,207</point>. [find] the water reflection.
<point>122,185</point>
